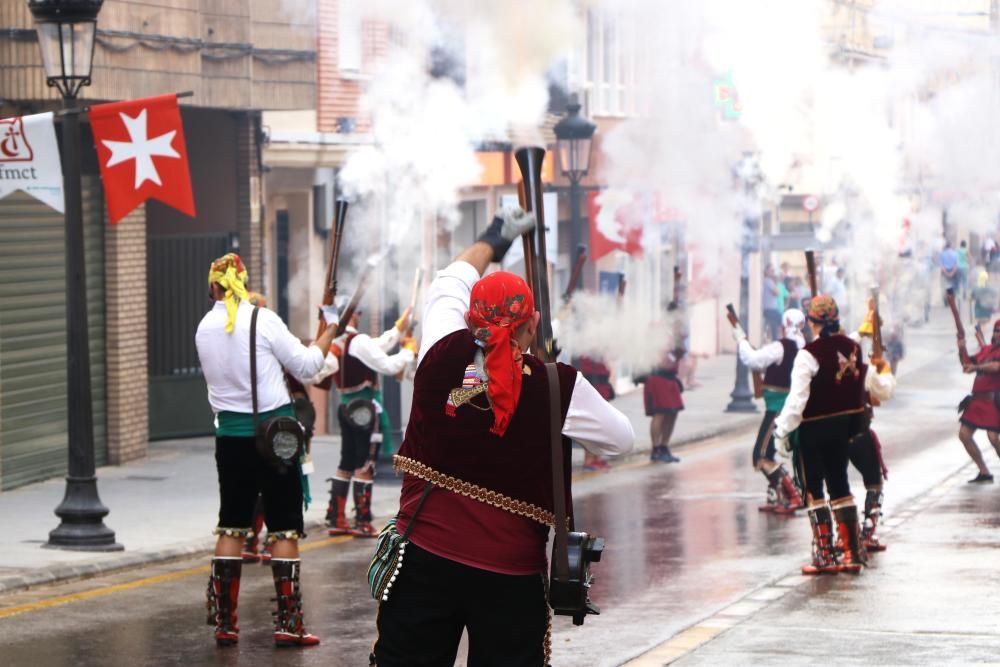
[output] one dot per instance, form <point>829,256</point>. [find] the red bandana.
<point>500,303</point>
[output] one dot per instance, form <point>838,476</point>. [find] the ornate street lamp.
<point>574,140</point>
<point>66,31</point>
<point>747,173</point>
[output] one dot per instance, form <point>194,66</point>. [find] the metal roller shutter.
<point>33,442</point>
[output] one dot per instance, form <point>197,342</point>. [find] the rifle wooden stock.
<point>877,349</point>
<point>359,292</point>
<point>756,376</point>
<point>414,294</point>
<point>963,354</point>
<point>529,162</point>
<point>811,272</point>
<point>574,277</point>
<point>330,285</point>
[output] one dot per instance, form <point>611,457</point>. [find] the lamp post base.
<point>82,514</point>
<point>741,402</point>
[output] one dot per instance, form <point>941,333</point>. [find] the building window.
<point>610,63</point>
<point>349,35</point>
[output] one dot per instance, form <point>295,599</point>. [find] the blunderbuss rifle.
<point>411,324</point>
<point>330,285</point>
<point>756,376</point>
<point>572,551</point>
<point>811,273</point>
<point>576,274</point>
<point>963,353</point>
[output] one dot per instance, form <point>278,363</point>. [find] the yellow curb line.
<point>138,583</point>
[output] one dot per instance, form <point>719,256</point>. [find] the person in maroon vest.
<point>362,359</point>
<point>826,403</point>
<point>662,399</point>
<point>597,373</point>
<point>775,359</point>
<point>979,409</point>
<point>478,443</point>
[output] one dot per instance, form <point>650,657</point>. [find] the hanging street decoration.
<point>29,159</point>
<point>142,154</point>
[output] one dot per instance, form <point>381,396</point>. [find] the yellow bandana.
<point>229,272</point>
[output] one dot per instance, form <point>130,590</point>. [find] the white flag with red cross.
<point>142,154</point>
<point>29,159</point>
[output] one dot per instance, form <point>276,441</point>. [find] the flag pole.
<point>80,110</point>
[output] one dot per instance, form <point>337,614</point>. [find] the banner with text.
<point>29,159</point>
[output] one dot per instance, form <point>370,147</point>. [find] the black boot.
<point>823,559</point>
<point>873,514</point>
<point>849,539</point>
<point>223,594</point>
<point>363,509</point>
<point>336,511</point>
<point>289,629</point>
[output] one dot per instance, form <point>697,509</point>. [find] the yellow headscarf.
<point>229,272</point>
<point>982,279</point>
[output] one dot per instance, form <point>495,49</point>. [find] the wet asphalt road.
<point>683,541</point>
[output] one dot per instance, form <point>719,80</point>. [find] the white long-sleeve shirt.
<point>805,367</point>
<point>225,359</point>
<point>592,421</point>
<point>373,352</point>
<point>758,360</point>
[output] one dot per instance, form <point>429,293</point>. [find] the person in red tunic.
<point>597,373</point>
<point>979,409</point>
<point>826,403</point>
<point>477,464</point>
<point>662,398</point>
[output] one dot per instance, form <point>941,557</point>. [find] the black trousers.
<point>355,443</point>
<point>864,457</point>
<point>434,598</point>
<point>762,449</point>
<point>823,451</point>
<point>243,475</point>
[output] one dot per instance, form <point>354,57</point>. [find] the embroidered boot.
<point>823,559</point>
<point>288,626</point>
<point>848,538</point>
<point>772,495</point>
<point>223,593</point>
<point>363,509</point>
<point>789,493</point>
<point>336,511</point>
<point>873,514</point>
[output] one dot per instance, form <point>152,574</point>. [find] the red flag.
<point>141,150</point>
<point>627,237</point>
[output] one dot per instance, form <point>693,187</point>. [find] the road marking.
<point>138,583</point>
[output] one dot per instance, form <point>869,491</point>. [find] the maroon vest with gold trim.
<point>779,376</point>
<point>353,374</point>
<point>838,386</point>
<point>456,441</point>
<point>987,381</point>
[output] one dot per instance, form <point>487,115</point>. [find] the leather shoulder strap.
<point>560,554</point>
<point>253,364</point>
<point>416,512</point>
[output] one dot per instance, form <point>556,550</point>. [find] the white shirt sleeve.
<point>367,351</point>
<point>446,303</point>
<point>881,385</point>
<point>388,339</point>
<point>758,360</point>
<point>330,366</point>
<point>294,357</point>
<point>597,425</point>
<point>804,369</point>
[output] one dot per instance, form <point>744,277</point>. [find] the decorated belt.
<point>852,411</point>
<point>470,490</point>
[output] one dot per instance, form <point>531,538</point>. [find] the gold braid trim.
<point>469,490</point>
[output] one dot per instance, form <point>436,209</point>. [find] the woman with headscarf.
<point>984,299</point>
<point>477,463</point>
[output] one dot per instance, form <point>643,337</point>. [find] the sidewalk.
<point>165,505</point>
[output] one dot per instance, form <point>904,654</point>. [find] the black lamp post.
<point>574,140</point>
<point>748,173</point>
<point>66,31</point>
